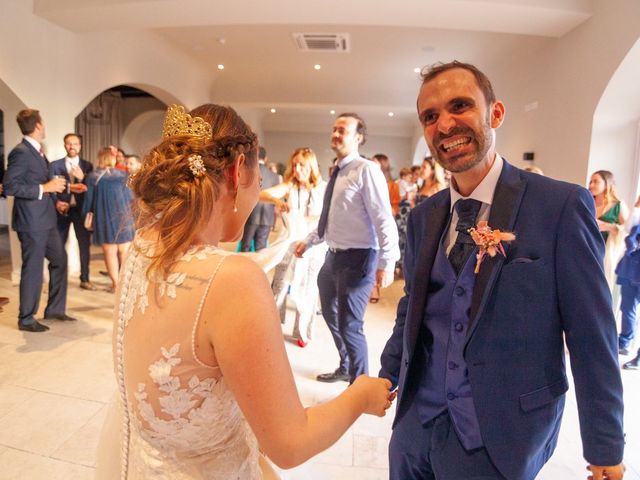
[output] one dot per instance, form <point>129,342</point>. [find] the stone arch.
<point>105,119</point>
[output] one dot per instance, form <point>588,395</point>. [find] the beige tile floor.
<point>54,388</point>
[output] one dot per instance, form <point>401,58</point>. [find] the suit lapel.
<point>434,225</point>
<point>504,210</point>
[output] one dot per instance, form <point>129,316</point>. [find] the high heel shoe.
<point>375,295</point>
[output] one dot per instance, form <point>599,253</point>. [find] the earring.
<point>235,202</point>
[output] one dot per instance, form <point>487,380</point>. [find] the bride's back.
<point>184,421</point>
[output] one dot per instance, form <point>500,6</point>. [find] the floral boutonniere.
<point>489,241</point>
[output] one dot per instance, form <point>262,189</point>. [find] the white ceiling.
<point>264,69</point>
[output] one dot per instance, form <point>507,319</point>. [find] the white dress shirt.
<point>71,162</point>
<point>360,213</point>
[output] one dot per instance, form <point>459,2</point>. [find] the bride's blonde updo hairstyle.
<point>180,178</point>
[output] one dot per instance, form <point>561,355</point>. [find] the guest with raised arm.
<point>299,198</point>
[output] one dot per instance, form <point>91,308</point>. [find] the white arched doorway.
<point>106,119</point>
<point>615,140</point>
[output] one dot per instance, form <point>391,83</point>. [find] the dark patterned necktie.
<point>326,203</point>
<point>467,210</point>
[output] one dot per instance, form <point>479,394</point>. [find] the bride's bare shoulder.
<point>240,269</point>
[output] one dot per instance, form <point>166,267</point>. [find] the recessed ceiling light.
<point>332,112</point>
<point>317,66</point>
<point>220,66</point>
<point>417,70</point>
<point>273,110</point>
<point>390,114</point>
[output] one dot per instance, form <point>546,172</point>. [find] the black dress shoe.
<point>337,376</point>
<point>632,364</point>
<point>33,327</point>
<point>88,286</point>
<point>61,316</point>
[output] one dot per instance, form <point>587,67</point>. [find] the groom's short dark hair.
<point>432,71</point>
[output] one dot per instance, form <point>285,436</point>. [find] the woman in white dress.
<point>205,385</point>
<point>299,197</point>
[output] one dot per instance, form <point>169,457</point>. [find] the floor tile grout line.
<point>9,447</point>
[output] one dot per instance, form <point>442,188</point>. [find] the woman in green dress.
<point>611,214</point>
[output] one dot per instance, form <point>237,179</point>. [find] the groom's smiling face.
<point>457,122</point>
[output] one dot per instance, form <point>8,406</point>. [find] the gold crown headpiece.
<point>178,122</point>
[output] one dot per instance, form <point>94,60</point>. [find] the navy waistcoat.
<point>444,383</point>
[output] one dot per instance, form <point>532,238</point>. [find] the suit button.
<point>451,396</point>
<point>459,327</point>
<point>406,363</point>
<point>459,291</point>
<point>453,365</point>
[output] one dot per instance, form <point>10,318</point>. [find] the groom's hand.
<point>615,472</point>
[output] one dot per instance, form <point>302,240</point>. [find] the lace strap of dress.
<point>199,313</point>
<point>119,346</point>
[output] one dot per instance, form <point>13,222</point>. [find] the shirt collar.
<point>485,190</point>
<point>34,143</point>
<point>348,159</point>
<point>72,161</point>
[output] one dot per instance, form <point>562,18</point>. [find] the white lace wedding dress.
<point>178,419</point>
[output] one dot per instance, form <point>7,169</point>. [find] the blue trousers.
<point>35,247</point>
<point>630,297</point>
<point>345,282</point>
<point>256,235</point>
<point>433,452</point>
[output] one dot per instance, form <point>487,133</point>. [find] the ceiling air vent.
<point>322,42</point>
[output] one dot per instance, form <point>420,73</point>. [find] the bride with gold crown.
<point>205,387</point>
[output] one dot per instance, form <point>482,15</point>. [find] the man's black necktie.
<point>467,210</point>
<point>326,203</point>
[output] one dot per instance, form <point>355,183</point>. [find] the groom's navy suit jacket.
<point>551,282</point>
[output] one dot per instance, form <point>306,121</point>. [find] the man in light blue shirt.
<point>358,226</point>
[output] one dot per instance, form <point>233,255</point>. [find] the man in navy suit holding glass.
<point>34,219</point>
<point>477,351</point>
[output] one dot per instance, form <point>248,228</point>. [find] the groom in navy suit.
<point>478,358</point>
<point>34,219</point>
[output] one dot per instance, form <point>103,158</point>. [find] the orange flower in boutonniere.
<point>489,241</point>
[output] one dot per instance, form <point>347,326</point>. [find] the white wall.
<point>142,133</point>
<point>59,72</point>
<point>567,78</point>
<point>46,67</point>
<point>613,148</point>
<point>280,145</point>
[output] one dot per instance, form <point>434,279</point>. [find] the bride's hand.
<point>376,394</point>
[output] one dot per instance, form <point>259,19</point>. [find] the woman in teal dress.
<point>109,198</point>
<point>611,214</point>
